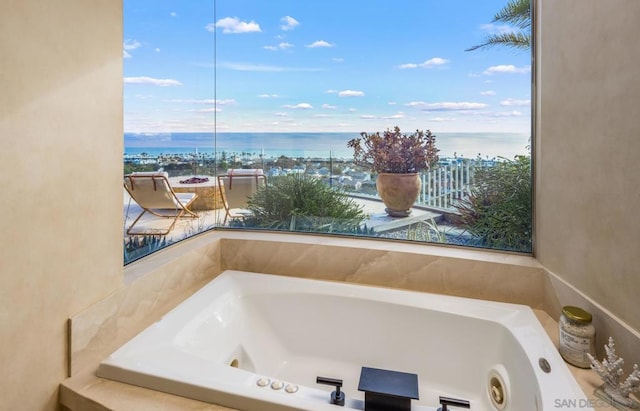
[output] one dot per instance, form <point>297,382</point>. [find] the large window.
<point>255,103</point>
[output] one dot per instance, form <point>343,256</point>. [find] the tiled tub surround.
<point>156,284</point>
<point>258,342</point>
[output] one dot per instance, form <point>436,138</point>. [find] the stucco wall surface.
<point>61,157</point>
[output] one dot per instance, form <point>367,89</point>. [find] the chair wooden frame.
<point>153,192</point>
<point>246,184</point>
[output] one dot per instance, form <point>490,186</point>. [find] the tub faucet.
<point>453,402</point>
<point>337,396</point>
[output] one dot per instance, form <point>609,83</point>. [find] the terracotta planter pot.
<point>398,192</point>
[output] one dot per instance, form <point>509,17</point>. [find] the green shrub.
<point>138,246</point>
<point>298,202</point>
<point>132,168</point>
<point>498,210</point>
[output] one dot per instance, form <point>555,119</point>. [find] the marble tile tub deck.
<point>154,285</point>
<point>86,392</point>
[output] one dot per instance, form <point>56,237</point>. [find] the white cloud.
<point>216,105</point>
<point>338,59</point>
<point>288,23</point>
<point>512,102</point>
<point>513,113</point>
<point>225,102</point>
<point>157,50</point>
<point>431,63</point>
<point>207,110</point>
<point>506,68</point>
<point>233,25</point>
<point>442,119</point>
<point>488,93</point>
<point>353,110</point>
<point>446,106</point>
<point>319,43</point>
<point>302,106</point>
<point>152,81</point>
<point>173,14</point>
<point>497,29</point>
<point>351,93</point>
<point>331,91</point>
<point>281,114</point>
<point>328,107</point>
<point>131,44</point>
<point>395,116</point>
<point>434,62</point>
<point>367,117</point>
<point>282,46</point>
<point>268,96</point>
<point>263,68</point>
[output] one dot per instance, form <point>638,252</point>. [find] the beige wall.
<point>588,150</point>
<point>61,156</point>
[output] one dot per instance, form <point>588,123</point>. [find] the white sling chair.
<point>154,194</point>
<point>236,187</point>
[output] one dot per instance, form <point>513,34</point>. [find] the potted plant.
<point>398,160</point>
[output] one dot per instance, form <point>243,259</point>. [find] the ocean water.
<point>323,145</point>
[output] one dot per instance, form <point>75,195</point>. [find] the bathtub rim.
<point>429,301</point>
<point>98,329</point>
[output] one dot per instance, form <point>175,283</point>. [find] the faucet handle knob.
<point>337,396</point>
<point>454,402</point>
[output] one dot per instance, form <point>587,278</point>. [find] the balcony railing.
<point>446,184</point>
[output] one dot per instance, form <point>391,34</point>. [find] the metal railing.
<point>446,184</point>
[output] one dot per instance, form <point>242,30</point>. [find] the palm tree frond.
<point>515,13</point>
<point>514,40</point>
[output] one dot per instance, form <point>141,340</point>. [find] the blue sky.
<point>320,66</point>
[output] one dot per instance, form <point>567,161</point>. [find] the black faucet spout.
<point>453,402</point>
<point>337,396</point>
<point>386,390</point>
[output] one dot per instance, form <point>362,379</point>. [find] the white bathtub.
<point>243,330</point>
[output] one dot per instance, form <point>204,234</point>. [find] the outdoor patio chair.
<point>154,194</point>
<point>236,187</point>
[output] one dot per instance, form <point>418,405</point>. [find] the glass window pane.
<point>296,81</point>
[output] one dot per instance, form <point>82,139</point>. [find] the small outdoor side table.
<point>209,196</point>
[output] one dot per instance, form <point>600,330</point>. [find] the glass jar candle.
<point>577,336</point>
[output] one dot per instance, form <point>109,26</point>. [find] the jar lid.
<point>576,314</point>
